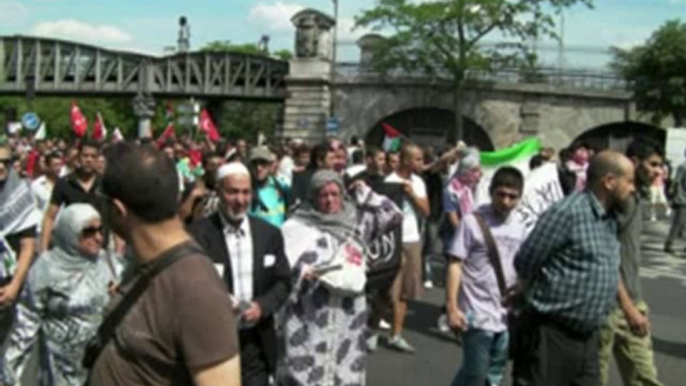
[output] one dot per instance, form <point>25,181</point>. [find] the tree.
<point>283,54</point>
<point>656,72</point>
<point>246,48</point>
<point>441,37</point>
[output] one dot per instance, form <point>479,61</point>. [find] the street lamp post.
<point>332,113</point>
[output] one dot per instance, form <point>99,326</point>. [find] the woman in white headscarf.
<point>325,318</point>
<point>459,192</point>
<point>67,290</point>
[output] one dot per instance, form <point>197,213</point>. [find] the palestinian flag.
<point>392,138</point>
<point>541,186</point>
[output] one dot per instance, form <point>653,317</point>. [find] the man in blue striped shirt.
<point>569,268</point>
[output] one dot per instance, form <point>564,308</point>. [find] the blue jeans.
<point>485,358</point>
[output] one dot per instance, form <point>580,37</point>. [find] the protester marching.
<point>203,260</point>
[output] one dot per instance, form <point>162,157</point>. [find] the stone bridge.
<point>498,108</point>
<point>495,114</point>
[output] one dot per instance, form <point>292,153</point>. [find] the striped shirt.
<point>571,263</point>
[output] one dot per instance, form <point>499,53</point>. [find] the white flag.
<point>118,137</point>
<point>42,132</point>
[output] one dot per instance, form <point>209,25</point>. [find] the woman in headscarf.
<point>458,195</point>
<point>325,318</point>
<point>67,290</point>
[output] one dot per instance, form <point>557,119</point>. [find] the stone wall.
<point>506,113</point>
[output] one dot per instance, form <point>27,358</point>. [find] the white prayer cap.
<point>232,169</point>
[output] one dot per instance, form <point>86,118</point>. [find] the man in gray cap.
<point>270,194</point>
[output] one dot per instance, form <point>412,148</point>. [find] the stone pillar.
<point>144,110</point>
<point>309,83</point>
<point>368,45</point>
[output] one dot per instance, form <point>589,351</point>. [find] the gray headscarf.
<point>342,224</point>
<point>64,258</point>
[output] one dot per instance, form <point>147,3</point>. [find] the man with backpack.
<point>170,321</point>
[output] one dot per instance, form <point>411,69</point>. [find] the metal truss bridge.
<point>58,67</point>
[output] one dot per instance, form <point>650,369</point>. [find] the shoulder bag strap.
<point>493,255</point>
<point>116,316</point>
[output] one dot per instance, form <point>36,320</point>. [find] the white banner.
<point>541,190</point>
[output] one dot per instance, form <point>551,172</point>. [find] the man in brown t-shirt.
<point>181,330</point>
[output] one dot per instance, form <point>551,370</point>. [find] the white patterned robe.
<point>324,332</point>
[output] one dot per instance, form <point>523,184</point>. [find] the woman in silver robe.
<point>66,292</point>
<point>324,321</point>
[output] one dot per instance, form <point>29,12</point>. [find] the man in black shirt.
<point>373,175</point>
<point>81,186</point>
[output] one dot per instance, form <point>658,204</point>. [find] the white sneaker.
<point>428,284</point>
<point>401,344</point>
<point>384,325</point>
<point>373,342</point>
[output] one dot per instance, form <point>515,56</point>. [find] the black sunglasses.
<point>91,231</point>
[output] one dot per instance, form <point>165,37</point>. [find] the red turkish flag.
<point>168,133</point>
<point>208,127</point>
<point>99,129</point>
<point>78,122</point>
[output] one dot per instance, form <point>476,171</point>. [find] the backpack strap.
<point>493,254</point>
<point>116,316</point>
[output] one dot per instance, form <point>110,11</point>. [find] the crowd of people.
<point>194,262</point>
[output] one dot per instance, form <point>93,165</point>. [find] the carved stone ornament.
<point>311,28</point>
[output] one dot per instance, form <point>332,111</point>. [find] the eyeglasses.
<point>91,231</point>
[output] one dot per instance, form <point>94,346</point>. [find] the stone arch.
<point>618,135</point>
<point>361,106</point>
<point>427,126</point>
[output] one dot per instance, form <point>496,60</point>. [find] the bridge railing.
<point>568,78</point>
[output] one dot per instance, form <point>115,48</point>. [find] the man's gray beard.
<point>231,215</point>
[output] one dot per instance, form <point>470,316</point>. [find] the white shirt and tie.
<point>239,245</point>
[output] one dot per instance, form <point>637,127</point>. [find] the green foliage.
<point>245,120</point>
<point>657,72</point>
<point>54,111</point>
<point>442,37</point>
<point>227,46</point>
<point>283,54</point>
<point>246,48</point>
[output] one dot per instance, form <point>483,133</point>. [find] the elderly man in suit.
<point>249,254</point>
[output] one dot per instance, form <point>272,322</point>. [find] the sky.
<point>150,25</point>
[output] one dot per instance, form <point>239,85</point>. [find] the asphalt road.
<point>438,357</point>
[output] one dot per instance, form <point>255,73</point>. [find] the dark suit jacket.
<point>271,285</point>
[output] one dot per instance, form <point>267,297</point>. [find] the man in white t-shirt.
<point>408,283</point>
